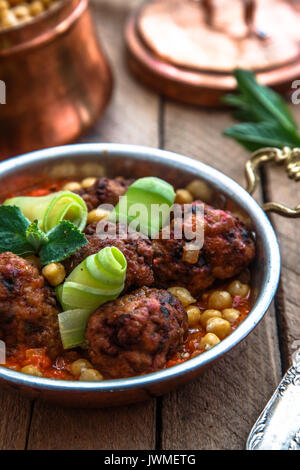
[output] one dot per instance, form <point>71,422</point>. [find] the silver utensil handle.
<point>278,426</point>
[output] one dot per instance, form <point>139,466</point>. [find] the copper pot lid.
<point>208,39</point>
<point>178,31</point>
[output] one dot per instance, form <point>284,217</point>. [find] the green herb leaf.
<point>13,227</point>
<point>264,134</point>
<point>63,241</point>
<point>23,238</point>
<point>247,110</point>
<point>35,236</point>
<point>268,119</point>
<point>265,100</point>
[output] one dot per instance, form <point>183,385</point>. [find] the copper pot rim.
<point>226,185</point>
<point>42,29</point>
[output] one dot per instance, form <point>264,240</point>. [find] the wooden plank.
<point>218,409</point>
<point>132,117</point>
<point>279,188</point>
<point>15,414</point>
<point>123,428</point>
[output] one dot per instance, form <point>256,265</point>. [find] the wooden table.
<point>217,410</point>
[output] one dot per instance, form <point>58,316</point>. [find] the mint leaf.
<point>35,236</point>
<point>13,227</point>
<point>63,241</point>
<point>23,238</point>
<point>264,134</point>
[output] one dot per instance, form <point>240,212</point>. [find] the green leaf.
<point>263,134</point>
<point>35,236</point>
<point>63,241</point>
<point>13,227</point>
<point>265,99</point>
<point>247,110</point>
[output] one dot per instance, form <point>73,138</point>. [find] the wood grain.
<point>218,410</point>
<point>15,414</point>
<point>132,117</point>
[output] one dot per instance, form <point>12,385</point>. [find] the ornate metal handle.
<point>290,158</point>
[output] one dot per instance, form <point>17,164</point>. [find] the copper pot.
<point>57,79</point>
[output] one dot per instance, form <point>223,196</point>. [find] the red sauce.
<point>60,368</point>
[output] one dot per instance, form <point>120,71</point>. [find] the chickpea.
<point>209,341</point>
<point>183,295</point>
<point>36,8</point>
<point>32,370</point>
<point>219,300</point>
<point>230,314</point>
<point>79,366</point>
<point>207,314</point>
<point>54,273</point>
<point>21,12</point>
<point>88,182</point>
<point>183,197</point>
<point>72,186</point>
<point>238,288</point>
<point>96,215</point>
<point>90,375</point>
<point>219,327</point>
<point>200,190</point>
<point>193,314</point>
<point>8,19</point>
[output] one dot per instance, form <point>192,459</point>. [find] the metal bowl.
<point>134,161</point>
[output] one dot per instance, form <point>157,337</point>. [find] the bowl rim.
<point>228,187</point>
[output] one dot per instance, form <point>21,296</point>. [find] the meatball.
<point>104,191</point>
<point>28,310</point>
<point>136,248</point>
<point>228,248</point>
<point>136,334</point>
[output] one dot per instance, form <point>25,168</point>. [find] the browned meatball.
<point>136,334</point>
<point>228,248</point>
<point>136,248</point>
<point>104,191</point>
<point>28,310</point>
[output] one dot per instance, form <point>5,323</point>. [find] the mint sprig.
<point>266,118</point>
<point>63,241</point>
<point>23,238</point>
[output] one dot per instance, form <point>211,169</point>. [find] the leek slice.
<point>146,204</point>
<point>51,209</point>
<point>97,280</point>
<point>72,326</point>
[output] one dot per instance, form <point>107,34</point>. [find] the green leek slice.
<point>147,203</point>
<point>97,280</point>
<point>72,326</point>
<point>51,209</point>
